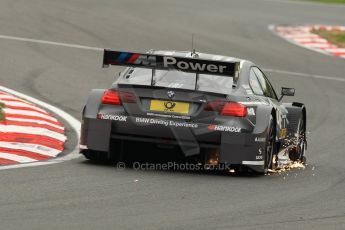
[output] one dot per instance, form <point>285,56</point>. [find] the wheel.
<point>114,155</point>
<point>95,155</point>
<point>270,146</point>
<point>297,152</point>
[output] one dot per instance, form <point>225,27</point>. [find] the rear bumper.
<point>234,140</point>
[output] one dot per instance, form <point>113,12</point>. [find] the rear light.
<point>234,109</point>
<point>111,97</point>
<point>227,108</point>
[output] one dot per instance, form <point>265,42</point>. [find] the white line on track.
<point>74,123</point>
<point>305,75</point>
<point>68,45</point>
<point>13,38</point>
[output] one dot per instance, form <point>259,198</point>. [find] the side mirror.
<point>287,92</point>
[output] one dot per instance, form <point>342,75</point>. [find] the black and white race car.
<point>221,108</point>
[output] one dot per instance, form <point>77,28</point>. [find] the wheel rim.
<point>301,139</point>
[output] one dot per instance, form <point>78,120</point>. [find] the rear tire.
<point>96,156</point>
<point>114,155</point>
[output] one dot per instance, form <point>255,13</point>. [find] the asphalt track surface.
<point>78,195</point>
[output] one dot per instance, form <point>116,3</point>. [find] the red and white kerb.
<point>28,133</point>
<point>303,36</point>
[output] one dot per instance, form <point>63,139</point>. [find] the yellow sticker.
<point>282,133</point>
<point>169,106</point>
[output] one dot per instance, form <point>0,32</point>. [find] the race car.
<point>220,108</point>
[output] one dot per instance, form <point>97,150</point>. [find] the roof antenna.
<point>193,53</point>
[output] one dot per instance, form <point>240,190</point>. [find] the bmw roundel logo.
<point>171,94</point>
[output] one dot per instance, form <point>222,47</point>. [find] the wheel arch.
<point>295,111</point>
<point>276,132</point>
<point>274,115</point>
<point>262,118</point>
<point>95,133</point>
<point>93,103</point>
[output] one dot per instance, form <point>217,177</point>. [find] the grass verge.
<point>328,1</point>
<point>335,37</point>
<point>2,116</point>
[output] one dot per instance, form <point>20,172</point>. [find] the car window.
<point>178,79</point>
<point>254,83</point>
<point>265,84</point>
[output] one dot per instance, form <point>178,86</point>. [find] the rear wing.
<point>165,62</point>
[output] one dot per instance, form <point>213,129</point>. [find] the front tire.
<point>297,153</point>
